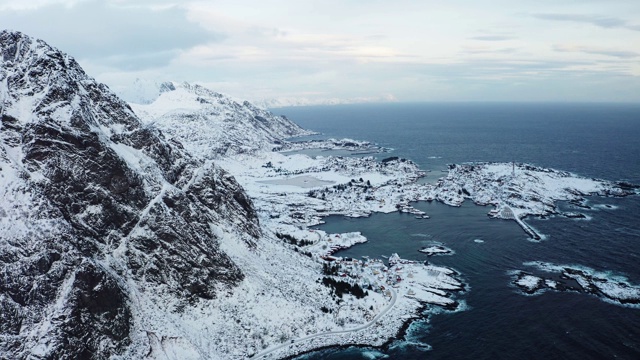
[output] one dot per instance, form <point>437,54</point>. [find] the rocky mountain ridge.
<point>215,124</point>
<point>96,206</point>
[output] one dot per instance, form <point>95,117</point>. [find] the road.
<point>266,352</point>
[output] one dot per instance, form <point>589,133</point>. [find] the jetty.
<point>507,213</point>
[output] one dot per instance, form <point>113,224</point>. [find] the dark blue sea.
<point>592,140</point>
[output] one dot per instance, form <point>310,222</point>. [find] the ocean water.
<point>593,140</point>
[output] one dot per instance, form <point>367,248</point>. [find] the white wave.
<point>606,207</point>
<point>373,355</point>
<point>422,235</point>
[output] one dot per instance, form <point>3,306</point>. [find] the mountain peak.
<point>210,124</point>
<point>166,87</point>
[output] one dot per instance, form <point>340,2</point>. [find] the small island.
<point>614,289</point>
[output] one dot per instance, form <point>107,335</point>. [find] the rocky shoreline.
<point>571,278</point>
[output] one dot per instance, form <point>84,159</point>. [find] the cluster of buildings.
<point>374,274</point>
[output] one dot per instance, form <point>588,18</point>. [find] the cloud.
<point>346,49</point>
<point>496,69</point>
<point>34,4</point>
<point>492,38</point>
<point>110,34</point>
<point>596,20</point>
<point>535,80</point>
<point>622,54</point>
<point>488,50</point>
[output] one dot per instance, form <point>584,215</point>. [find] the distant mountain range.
<point>146,92</point>
<point>301,101</point>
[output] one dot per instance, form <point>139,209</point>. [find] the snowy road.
<point>394,296</point>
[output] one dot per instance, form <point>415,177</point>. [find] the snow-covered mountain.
<point>99,210</point>
<point>116,243</point>
<point>215,124</point>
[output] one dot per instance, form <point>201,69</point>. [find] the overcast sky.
<point>412,50</point>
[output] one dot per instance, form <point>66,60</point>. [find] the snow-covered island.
<point>356,187</point>
<point>612,288</point>
<point>518,190</point>
<point>436,250</point>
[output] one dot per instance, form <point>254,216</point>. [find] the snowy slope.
<point>97,209</point>
<point>211,124</point>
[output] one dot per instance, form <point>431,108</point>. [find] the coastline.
<point>292,192</point>
<point>361,186</point>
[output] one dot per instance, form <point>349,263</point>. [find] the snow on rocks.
<point>354,146</point>
<point>436,250</point>
<point>521,188</point>
<point>615,289</point>
<point>527,282</point>
<point>404,287</point>
<point>358,186</point>
<point>518,190</point>
<point>330,244</point>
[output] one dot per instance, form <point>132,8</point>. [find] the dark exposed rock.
<point>574,215</point>
<point>627,186</point>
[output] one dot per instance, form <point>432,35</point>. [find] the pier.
<point>507,213</point>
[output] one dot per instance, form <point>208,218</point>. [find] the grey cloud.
<point>596,20</point>
<point>109,34</point>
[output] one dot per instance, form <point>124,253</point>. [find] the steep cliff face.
<point>93,203</point>
<point>213,123</point>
